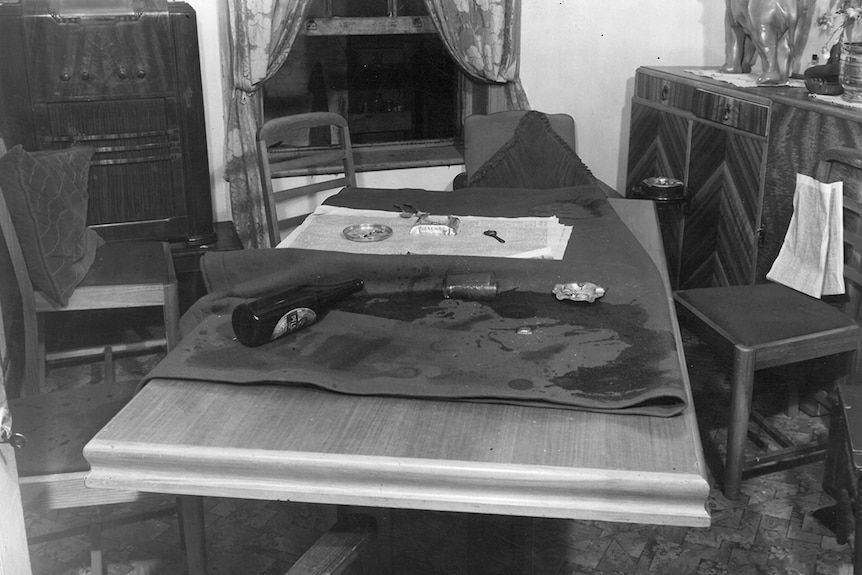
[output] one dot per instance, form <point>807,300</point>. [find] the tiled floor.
<point>780,526</point>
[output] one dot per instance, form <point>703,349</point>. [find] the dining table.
<point>520,403</point>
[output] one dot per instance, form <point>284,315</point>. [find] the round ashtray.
<point>367,232</point>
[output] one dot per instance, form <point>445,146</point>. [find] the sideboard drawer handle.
<point>665,91</point>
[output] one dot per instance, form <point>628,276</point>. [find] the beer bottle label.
<point>293,320</point>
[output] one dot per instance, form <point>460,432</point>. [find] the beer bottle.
<point>273,316</point>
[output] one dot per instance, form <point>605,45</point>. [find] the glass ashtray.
<point>578,291</point>
<point>367,232</point>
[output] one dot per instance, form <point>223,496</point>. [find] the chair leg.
<point>191,513</point>
<point>792,409</point>
<point>37,359</point>
<point>97,563</point>
<point>857,537</point>
<point>171,314</point>
<point>740,412</point>
<point>854,363</point>
<point>108,377</point>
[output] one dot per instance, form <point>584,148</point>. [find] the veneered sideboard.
<point>737,150</point>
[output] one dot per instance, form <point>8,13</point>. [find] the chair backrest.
<point>286,163</point>
<point>845,164</point>
<point>6,365</point>
<point>18,300</point>
<point>485,133</point>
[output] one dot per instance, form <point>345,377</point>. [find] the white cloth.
<point>811,259</point>
<point>748,80</point>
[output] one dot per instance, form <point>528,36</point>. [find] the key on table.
<point>494,235</point>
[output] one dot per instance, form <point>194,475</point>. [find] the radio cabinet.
<point>127,83</point>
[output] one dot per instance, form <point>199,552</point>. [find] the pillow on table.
<point>535,157</point>
<point>46,193</point>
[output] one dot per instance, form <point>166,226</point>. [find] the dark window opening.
<point>392,87</point>
<point>366,8</point>
<point>400,88</point>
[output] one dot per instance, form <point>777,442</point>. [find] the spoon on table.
<point>493,234</point>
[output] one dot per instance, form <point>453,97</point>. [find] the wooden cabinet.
<point>738,151</point>
<point>715,142</point>
<point>126,80</point>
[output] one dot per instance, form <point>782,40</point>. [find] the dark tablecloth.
<point>400,337</point>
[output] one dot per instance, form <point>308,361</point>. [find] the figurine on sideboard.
<point>765,28</point>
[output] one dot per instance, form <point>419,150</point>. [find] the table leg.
<point>191,513</point>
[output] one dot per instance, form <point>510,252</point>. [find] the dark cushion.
<point>757,314</point>
<point>535,157</point>
<point>46,193</point>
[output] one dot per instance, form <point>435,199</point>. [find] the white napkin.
<point>811,259</point>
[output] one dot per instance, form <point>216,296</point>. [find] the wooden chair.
<point>57,425</point>
<point>769,325</point>
<point>842,470</point>
<point>484,134</point>
<point>286,163</point>
<point>131,274</point>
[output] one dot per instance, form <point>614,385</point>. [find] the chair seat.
<point>61,423</point>
<point>133,262</point>
<point>754,315</point>
<point>123,274</point>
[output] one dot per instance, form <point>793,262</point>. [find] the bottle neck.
<point>331,293</point>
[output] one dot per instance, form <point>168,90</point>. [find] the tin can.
<point>482,285</point>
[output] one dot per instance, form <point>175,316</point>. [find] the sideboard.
<point>737,150</point>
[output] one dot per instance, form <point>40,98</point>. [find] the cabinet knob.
<point>122,73</point>
<point>85,75</point>
<point>65,76</point>
<point>665,92</point>
<point>142,73</point>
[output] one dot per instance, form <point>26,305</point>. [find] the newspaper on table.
<point>525,237</point>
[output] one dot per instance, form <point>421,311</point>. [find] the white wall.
<point>580,58</point>
<point>210,41</point>
<point>577,57</point>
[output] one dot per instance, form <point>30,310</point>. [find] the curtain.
<point>261,35</point>
<point>483,37</point>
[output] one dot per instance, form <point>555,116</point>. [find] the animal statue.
<point>769,29</point>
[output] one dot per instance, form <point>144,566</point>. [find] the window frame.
<point>472,97</point>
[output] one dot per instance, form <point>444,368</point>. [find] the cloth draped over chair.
<point>482,37</point>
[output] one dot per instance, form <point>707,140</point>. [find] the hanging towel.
<point>811,259</point>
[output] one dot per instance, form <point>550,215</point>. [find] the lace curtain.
<point>483,36</point>
<point>261,35</point>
